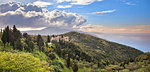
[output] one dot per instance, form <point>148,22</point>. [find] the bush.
<point>21,62</point>
<point>57,65</point>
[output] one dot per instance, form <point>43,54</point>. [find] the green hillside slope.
<point>98,48</point>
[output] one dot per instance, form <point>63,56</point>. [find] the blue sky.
<point>138,13</point>
<point>119,16</point>
<point>127,12</point>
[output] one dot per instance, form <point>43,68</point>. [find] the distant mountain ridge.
<point>98,48</point>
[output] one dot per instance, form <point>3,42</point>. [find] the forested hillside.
<point>83,53</point>
<point>98,48</point>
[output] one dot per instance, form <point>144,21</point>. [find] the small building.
<point>58,38</point>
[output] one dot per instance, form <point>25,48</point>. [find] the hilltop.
<point>98,48</point>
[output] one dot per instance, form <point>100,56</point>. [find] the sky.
<point>92,16</point>
<point>103,16</point>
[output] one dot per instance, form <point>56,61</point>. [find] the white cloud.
<point>58,18</point>
<point>102,12</point>
<point>31,16</point>
<point>128,3</point>
<point>64,6</point>
<point>78,2</point>
<point>41,3</point>
<point>131,2</point>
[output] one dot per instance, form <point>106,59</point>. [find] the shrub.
<point>57,65</point>
<point>21,62</point>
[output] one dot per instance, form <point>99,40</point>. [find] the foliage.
<point>40,42</point>
<point>18,45</point>
<point>145,56</point>
<point>12,37</point>
<point>6,36</point>
<point>57,65</point>
<point>40,55</point>
<point>21,62</point>
<point>75,67</point>
<point>16,35</point>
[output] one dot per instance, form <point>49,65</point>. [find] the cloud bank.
<point>32,16</point>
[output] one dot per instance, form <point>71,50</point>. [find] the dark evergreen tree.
<point>29,42</point>
<point>68,61</point>
<point>98,64</point>
<point>18,45</point>
<point>25,35</point>
<point>31,46</point>
<point>16,35</point>
<point>40,41</point>
<point>6,35</point>
<point>75,67</point>
<point>48,38</point>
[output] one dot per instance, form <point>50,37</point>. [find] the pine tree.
<point>16,33</point>
<point>31,46</point>
<point>5,37</point>
<point>75,67</point>
<point>40,41</point>
<point>25,35</point>
<point>98,64</point>
<point>48,38</point>
<point>29,42</point>
<point>18,45</point>
<point>68,61</point>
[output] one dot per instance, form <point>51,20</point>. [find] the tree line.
<point>25,42</point>
<point>14,37</point>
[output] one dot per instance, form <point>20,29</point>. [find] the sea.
<point>139,41</point>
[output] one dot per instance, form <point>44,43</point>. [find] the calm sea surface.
<point>138,41</point>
